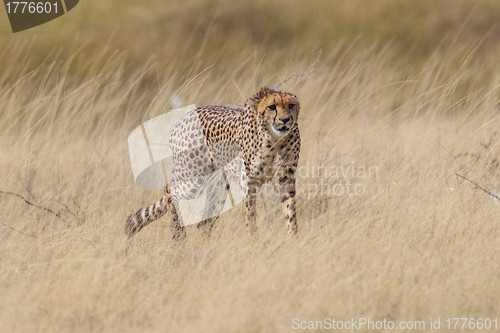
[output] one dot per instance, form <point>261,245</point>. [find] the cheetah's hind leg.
<point>205,227</point>
<point>216,195</point>
<point>178,231</point>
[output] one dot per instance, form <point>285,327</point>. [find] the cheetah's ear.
<point>264,91</point>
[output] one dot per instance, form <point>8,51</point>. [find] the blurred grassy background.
<point>220,29</point>
<point>171,44</point>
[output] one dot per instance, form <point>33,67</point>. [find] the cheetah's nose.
<point>285,120</point>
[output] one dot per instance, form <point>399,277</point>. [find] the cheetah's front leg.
<point>287,192</point>
<point>250,206</point>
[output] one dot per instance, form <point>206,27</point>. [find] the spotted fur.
<point>266,134</point>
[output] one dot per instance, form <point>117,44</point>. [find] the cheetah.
<point>264,132</point>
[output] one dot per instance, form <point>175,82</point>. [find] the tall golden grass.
<point>417,242</point>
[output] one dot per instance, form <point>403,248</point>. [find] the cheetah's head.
<point>277,111</point>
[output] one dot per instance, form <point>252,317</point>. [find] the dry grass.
<point>417,243</point>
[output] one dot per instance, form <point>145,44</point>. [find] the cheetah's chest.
<point>265,161</point>
<point>263,166</point>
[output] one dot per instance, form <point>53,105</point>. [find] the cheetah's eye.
<point>272,107</point>
<point>291,106</point>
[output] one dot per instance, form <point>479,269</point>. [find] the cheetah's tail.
<point>144,216</point>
